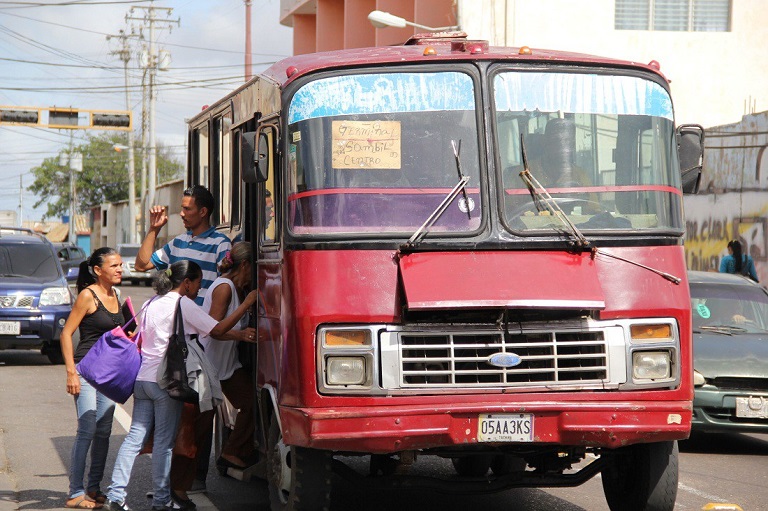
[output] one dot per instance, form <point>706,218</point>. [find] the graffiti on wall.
<point>707,238</point>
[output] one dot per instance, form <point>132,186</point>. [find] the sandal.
<point>82,502</point>
<point>97,496</point>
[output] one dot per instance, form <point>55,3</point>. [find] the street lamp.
<point>381,19</point>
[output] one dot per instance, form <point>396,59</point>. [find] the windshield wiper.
<point>11,275</point>
<point>541,197</point>
<point>456,154</point>
<point>723,329</point>
<point>460,187</point>
<point>543,200</point>
<point>436,214</point>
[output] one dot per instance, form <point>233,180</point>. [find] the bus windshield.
<point>374,154</point>
<point>603,146</point>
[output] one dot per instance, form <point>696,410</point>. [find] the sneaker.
<point>198,486</point>
<point>115,506</point>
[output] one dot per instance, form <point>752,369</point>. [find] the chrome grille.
<point>16,301</point>
<point>462,359</point>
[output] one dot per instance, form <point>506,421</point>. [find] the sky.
<point>56,53</point>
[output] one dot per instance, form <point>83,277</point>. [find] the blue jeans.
<point>152,406</point>
<point>94,425</point>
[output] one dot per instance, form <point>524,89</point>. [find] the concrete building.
<point>733,200</point>
<point>713,51</point>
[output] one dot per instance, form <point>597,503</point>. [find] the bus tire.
<point>642,477</point>
<point>298,478</point>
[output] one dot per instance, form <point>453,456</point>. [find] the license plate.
<point>516,427</point>
<point>10,328</point>
<point>752,407</point>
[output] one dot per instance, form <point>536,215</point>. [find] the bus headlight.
<point>345,371</point>
<point>698,379</point>
<point>346,360</point>
<point>651,365</point>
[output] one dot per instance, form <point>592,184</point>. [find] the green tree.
<point>104,177</point>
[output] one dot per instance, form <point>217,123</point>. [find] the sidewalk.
<point>7,486</point>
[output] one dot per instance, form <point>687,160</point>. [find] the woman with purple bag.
<point>153,407</point>
<point>96,311</point>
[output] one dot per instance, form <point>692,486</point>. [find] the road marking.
<point>699,493</point>
<point>124,419</point>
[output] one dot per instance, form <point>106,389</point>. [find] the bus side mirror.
<point>248,156</point>
<point>690,146</point>
<point>255,154</point>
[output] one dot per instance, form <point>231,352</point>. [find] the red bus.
<point>462,251</point>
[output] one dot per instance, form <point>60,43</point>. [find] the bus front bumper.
<point>388,429</point>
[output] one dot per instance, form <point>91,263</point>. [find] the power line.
<point>165,44</point>
<point>25,5</point>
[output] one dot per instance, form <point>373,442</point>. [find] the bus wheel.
<point>641,477</point>
<point>298,478</point>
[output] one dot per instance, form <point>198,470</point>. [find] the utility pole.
<point>74,163</point>
<point>144,144</point>
<point>248,58</point>
<point>21,202</point>
<point>124,53</point>
<point>152,65</point>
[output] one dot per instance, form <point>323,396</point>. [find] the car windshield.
<point>603,146</point>
<point>374,154</point>
<point>734,309</point>
<point>129,251</point>
<point>28,260</point>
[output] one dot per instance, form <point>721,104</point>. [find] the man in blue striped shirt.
<point>201,243</point>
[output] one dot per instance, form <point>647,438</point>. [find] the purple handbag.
<point>112,363</point>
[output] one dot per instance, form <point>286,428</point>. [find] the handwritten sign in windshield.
<point>366,144</point>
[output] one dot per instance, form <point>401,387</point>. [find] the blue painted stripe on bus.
<point>382,93</point>
<point>582,93</point>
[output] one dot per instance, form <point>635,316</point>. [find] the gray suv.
<point>70,256</point>
<point>35,299</point>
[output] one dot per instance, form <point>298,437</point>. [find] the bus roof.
<point>446,46</point>
<point>421,48</point>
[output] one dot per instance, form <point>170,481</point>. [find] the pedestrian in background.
<point>152,406</point>
<point>738,263</point>
<point>93,315</point>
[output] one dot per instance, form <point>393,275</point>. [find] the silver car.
<point>128,252</point>
<point>730,353</point>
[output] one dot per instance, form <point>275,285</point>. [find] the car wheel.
<point>52,350</point>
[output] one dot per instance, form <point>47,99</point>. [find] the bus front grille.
<point>429,360</point>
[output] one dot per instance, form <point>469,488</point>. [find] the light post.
<point>381,19</point>
<point>131,191</point>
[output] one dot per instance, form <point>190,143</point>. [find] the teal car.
<point>730,353</point>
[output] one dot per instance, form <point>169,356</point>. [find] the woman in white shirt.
<point>152,406</point>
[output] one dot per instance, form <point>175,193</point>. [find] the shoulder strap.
<point>178,322</point>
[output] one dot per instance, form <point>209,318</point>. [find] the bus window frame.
<point>475,71</point>
<point>271,128</point>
